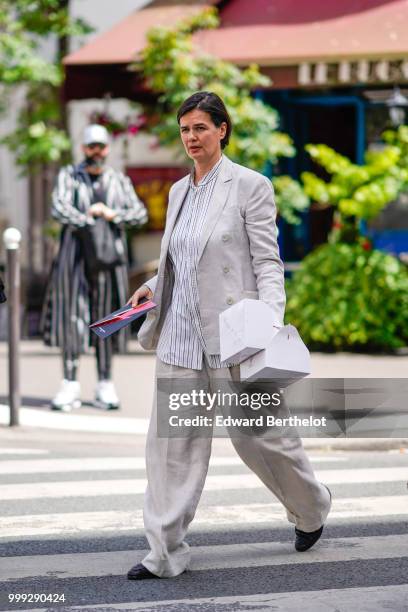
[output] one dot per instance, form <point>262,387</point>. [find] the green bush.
<point>345,297</point>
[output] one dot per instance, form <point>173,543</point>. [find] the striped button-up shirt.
<point>181,340</point>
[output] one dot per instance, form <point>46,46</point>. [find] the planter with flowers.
<point>130,126</point>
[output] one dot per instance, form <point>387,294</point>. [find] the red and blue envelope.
<point>120,318</point>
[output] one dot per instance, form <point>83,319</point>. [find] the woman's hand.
<point>142,292</point>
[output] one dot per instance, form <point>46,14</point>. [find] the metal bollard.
<point>11,239</point>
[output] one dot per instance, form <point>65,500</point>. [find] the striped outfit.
<point>181,340</point>
<point>72,299</point>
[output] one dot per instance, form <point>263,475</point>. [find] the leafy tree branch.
<point>175,68</point>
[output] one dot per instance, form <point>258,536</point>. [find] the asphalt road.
<point>71,525</point>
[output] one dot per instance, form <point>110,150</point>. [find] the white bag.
<point>245,329</point>
<point>284,360</point>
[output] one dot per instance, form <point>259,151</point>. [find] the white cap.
<point>95,133</point>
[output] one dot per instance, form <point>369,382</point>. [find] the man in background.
<point>89,200</point>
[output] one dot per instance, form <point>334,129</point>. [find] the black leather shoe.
<point>305,540</point>
<point>140,572</point>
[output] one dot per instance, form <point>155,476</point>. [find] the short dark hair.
<point>213,105</point>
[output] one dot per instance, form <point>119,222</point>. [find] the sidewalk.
<point>134,378</point>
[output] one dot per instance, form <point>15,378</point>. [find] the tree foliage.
<point>19,62</point>
<point>360,192</point>
<point>25,24</point>
<point>291,200</point>
<point>175,68</point>
<point>345,297</point>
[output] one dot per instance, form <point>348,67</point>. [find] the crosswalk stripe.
<point>82,464</point>
<point>213,483</point>
<point>215,516</point>
<point>99,464</point>
<point>223,557</point>
<point>24,451</point>
<point>85,565</point>
<point>391,597</point>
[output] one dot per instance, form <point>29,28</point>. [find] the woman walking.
<point>219,246</point>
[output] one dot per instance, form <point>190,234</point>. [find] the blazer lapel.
<point>218,200</point>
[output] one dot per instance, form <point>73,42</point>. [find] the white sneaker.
<point>67,397</point>
<point>106,396</point>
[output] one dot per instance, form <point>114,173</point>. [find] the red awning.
<point>377,32</point>
<point>123,43</point>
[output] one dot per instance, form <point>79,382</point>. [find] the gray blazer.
<point>238,257</point>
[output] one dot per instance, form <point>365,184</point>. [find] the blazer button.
<point>225,237</point>
<point>230,301</point>
<point>225,269</point>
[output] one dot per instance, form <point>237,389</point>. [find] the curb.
<point>40,419</point>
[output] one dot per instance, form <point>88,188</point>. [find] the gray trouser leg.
<point>280,461</point>
<point>283,466</point>
<point>176,472</point>
<point>177,468</point>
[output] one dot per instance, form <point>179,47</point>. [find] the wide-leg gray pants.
<point>177,469</point>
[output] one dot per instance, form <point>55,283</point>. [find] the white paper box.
<point>245,329</point>
<point>285,359</point>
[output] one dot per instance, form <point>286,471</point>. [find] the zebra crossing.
<point>73,525</point>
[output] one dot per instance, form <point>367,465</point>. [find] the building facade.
<point>334,67</point>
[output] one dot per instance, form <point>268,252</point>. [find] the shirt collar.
<point>211,174</point>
